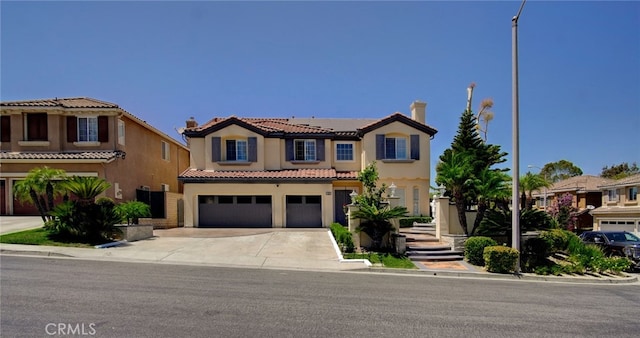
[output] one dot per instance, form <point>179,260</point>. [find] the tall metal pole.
<point>515,198</point>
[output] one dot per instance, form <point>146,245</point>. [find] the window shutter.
<point>72,129</point>
<point>320,150</point>
<point>288,147</point>
<point>379,146</point>
<point>215,149</point>
<point>415,147</point>
<point>103,129</point>
<point>253,149</point>
<point>5,124</point>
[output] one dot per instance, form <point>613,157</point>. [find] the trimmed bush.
<point>408,221</point>
<point>343,237</point>
<point>557,239</point>
<point>500,259</point>
<point>474,249</point>
<point>534,253</point>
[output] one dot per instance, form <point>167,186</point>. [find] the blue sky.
<point>167,61</point>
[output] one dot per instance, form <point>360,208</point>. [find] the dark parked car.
<point>615,243</point>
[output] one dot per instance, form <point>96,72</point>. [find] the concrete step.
<point>426,240</point>
<point>424,225</point>
<point>428,247</point>
<point>435,253</point>
<point>419,231</point>
<point>431,258</point>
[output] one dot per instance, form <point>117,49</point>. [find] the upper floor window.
<point>399,147</point>
<point>236,150</point>
<point>304,150</point>
<point>87,129</point>
<point>395,148</point>
<point>633,194</point>
<point>5,133</point>
<point>165,151</point>
<point>36,128</point>
<point>344,152</point>
<point>120,132</point>
<point>612,195</point>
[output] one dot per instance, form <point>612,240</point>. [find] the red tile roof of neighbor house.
<point>74,102</point>
<point>286,174</point>
<point>584,183</point>
<point>627,181</point>
<point>85,155</point>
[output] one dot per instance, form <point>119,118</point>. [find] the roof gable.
<point>397,117</point>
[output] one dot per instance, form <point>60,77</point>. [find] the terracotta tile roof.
<point>582,183</point>
<point>74,102</point>
<point>627,181</point>
<point>87,155</point>
<point>267,125</point>
<point>278,175</point>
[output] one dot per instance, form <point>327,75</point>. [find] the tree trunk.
<point>482,207</point>
<point>462,217</point>
<point>36,201</point>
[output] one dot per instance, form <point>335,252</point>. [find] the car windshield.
<point>622,237</point>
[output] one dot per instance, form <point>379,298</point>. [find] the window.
<point>633,194</point>
<point>120,132</point>
<point>5,133</point>
<point>416,201</point>
<point>305,150</point>
<point>395,148</point>
<point>36,127</point>
<point>236,150</point>
<point>165,151</point>
<point>87,129</point>
<point>344,152</point>
<point>613,195</point>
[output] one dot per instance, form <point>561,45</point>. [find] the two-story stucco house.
<point>620,208</point>
<point>89,137</point>
<point>299,172</point>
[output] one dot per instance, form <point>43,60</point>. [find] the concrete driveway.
<point>308,249</point>
<point>9,224</point>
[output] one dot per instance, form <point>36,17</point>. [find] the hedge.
<point>500,259</point>
<point>474,249</point>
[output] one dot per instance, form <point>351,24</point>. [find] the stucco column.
<point>353,223</point>
<point>394,202</point>
<point>442,216</point>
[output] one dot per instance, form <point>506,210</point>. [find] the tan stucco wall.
<point>277,191</point>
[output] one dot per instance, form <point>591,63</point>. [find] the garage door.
<point>304,211</point>
<point>618,225</point>
<point>234,211</point>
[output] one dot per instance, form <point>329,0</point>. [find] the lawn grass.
<point>39,236</point>
<point>387,260</point>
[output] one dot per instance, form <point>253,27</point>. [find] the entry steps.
<point>422,245</point>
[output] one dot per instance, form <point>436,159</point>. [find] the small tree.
<point>531,182</point>
<point>40,187</point>
<point>619,171</point>
<point>372,209</point>
<point>564,213</point>
<point>560,170</point>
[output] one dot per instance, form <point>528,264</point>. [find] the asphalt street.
<point>113,299</point>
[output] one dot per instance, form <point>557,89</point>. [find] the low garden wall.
<point>136,232</point>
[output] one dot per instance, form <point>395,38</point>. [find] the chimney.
<point>419,111</point>
<point>191,123</point>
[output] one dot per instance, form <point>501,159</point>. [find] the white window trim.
<point>165,150</point>
<point>81,143</point>
<point>245,141</point>
<point>121,136</point>
<point>305,141</point>
<point>353,154</point>
<point>395,151</point>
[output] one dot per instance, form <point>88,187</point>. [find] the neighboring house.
<point>85,136</point>
<point>585,194</point>
<point>620,209</point>
<point>299,172</point>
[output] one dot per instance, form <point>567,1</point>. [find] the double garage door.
<point>224,211</point>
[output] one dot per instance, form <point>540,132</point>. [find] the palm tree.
<point>376,220</point>
<point>455,172</point>
<point>531,182</point>
<point>86,188</point>
<point>40,187</point>
<point>490,185</point>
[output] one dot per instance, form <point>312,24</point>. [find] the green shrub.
<point>343,237</point>
<point>474,249</point>
<point>408,221</point>
<point>88,223</point>
<point>534,253</point>
<point>557,239</point>
<point>500,259</point>
<point>132,210</point>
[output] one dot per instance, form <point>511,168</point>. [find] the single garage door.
<point>618,225</point>
<point>304,211</point>
<point>234,211</point>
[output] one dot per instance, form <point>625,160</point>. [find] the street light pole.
<point>515,206</point>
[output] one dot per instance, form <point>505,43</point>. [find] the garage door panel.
<point>235,211</point>
<point>304,211</point>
